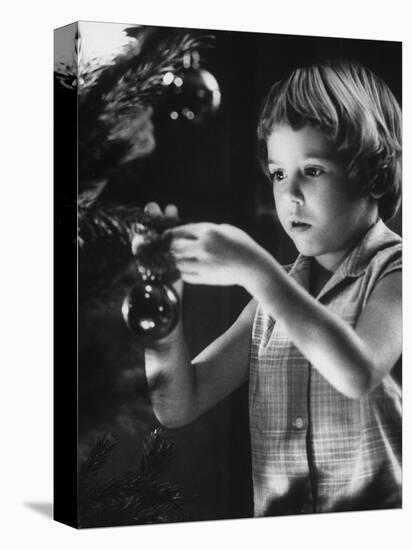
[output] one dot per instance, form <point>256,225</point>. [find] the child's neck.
<point>318,277</point>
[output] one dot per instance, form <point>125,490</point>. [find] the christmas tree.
<point>116,97</point>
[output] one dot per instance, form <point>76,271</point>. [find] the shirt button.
<point>298,423</point>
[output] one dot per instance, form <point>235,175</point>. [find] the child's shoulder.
<point>384,248</point>
<point>379,254</point>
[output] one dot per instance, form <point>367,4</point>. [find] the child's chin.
<point>307,249</point>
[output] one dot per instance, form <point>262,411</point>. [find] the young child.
<point>318,341</point>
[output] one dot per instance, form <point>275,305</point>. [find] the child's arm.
<point>181,390</point>
<point>353,361</point>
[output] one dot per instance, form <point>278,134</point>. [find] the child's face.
<point>316,204</point>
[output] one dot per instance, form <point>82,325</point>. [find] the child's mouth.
<point>299,226</point>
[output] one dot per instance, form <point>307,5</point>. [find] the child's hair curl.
<point>356,110</point>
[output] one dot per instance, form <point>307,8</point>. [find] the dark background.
<point>210,172</point>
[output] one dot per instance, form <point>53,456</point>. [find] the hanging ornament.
<point>151,308</point>
<point>192,93</point>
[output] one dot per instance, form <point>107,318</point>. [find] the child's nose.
<point>294,189</point>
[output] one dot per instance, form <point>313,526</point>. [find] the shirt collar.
<point>378,237</point>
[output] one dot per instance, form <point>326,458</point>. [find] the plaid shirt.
<point>313,449</point>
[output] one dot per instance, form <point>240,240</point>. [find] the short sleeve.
<point>392,262</point>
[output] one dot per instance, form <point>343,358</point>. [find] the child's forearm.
<point>328,343</point>
<point>171,379</point>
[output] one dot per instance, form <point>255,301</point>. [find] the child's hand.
<point>206,253</point>
<point>171,212</point>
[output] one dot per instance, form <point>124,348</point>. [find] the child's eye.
<point>313,171</point>
<point>278,175</point>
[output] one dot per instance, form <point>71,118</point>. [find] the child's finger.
<point>153,209</point>
<point>171,211</point>
<point>187,266</point>
<point>188,231</point>
<point>183,246</point>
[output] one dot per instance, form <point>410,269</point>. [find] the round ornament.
<point>192,93</point>
<point>151,308</point>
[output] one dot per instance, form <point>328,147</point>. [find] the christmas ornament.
<point>151,307</point>
<point>192,93</point>
<point>118,80</point>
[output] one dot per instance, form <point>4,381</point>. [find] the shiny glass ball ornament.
<point>151,307</point>
<point>192,95</point>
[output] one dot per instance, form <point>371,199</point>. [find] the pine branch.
<point>141,79</point>
<point>105,249</point>
<point>114,93</point>
<point>98,457</point>
<point>137,497</point>
<point>157,453</point>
